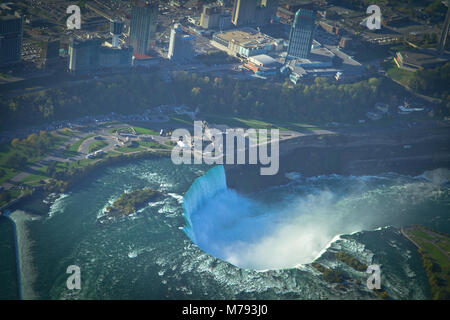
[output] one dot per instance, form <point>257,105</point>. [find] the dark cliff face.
<point>347,155</point>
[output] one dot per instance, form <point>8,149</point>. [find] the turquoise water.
<point>148,256</point>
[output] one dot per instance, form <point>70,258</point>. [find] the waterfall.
<point>203,188</point>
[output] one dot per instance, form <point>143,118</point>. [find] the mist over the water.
<point>252,235</point>
<point>291,230</point>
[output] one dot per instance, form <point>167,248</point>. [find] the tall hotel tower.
<point>301,36</point>
<point>253,12</point>
<point>144,15</point>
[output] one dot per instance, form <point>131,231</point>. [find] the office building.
<point>144,15</point>
<point>11,33</point>
<point>115,29</point>
<point>245,42</point>
<point>210,16</point>
<point>253,12</point>
<point>50,53</point>
<point>90,55</point>
<point>180,46</point>
<point>301,35</point>
<point>444,34</point>
<point>266,11</point>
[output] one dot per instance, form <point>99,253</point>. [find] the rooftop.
<point>419,58</point>
<point>263,59</point>
<point>246,37</point>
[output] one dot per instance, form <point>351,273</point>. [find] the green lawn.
<point>401,75</point>
<point>9,195</point>
<point>140,130</point>
<point>184,119</point>
<point>243,122</point>
<point>41,174</point>
<point>129,149</point>
<point>67,132</point>
<point>35,178</point>
<point>153,144</point>
<point>97,145</point>
<point>7,173</point>
<point>444,244</point>
<point>6,150</point>
<point>73,150</point>
<point>436,263</point>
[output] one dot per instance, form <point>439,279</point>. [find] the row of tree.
<point>27,150</point>
<point>433,82</point>
<point>319,101</point>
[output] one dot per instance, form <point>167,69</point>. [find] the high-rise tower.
<point>244,12</point>
<point>11,32</point>
<point>444,34</point>
<point>301,36</point>
<point>180,45</point>
<point>144,15</point>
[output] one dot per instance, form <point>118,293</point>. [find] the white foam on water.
<point>27,268</point>
<point>58,206</point>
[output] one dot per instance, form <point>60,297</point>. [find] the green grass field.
<point>6,150</point>
<point>243,122</point>
<point>97,145</point>
<point>129,149</point>
<point>401,75</point>
<point>140,130</point>
<point>73,149</point>
<point>436,263</point>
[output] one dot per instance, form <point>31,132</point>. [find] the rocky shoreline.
<point>405,151</point>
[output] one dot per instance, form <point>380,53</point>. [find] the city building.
<point>144,15</point>
<point>210,16</point>
<point>263,65</point>
<point>11,34</point>
<point>444,34</point>
<point>253,12</point>
<point>324,62</point>
<point>180,45</point>
<point>413,61</point>
<point>346,43</point>
<point>245,42</point>
<point>328,27</point>
<point>50,53</point>
<point>90,55</point>
<point>266,11</point>
<point>225,21</point>
<point>301,35</point>
<point>115,29</point>
<point>143,61</point>
<point>319,57</point>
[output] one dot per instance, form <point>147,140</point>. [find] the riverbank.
<point>24,258</point>
<point>409,151</point>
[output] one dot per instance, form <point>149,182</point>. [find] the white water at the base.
<point>294,230</point>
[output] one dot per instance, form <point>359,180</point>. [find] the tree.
<point>15,143</point>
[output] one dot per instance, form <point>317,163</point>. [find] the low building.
<point>263,65</point>
<point>90,55</point>
<point>319,57</point>
<point>11,35</point>
<point>210,17</point>
<point>245,42</point>
<point>181,47</point>
<point>329,27</point>
<point>144,61</point>
<point>415,60</point>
